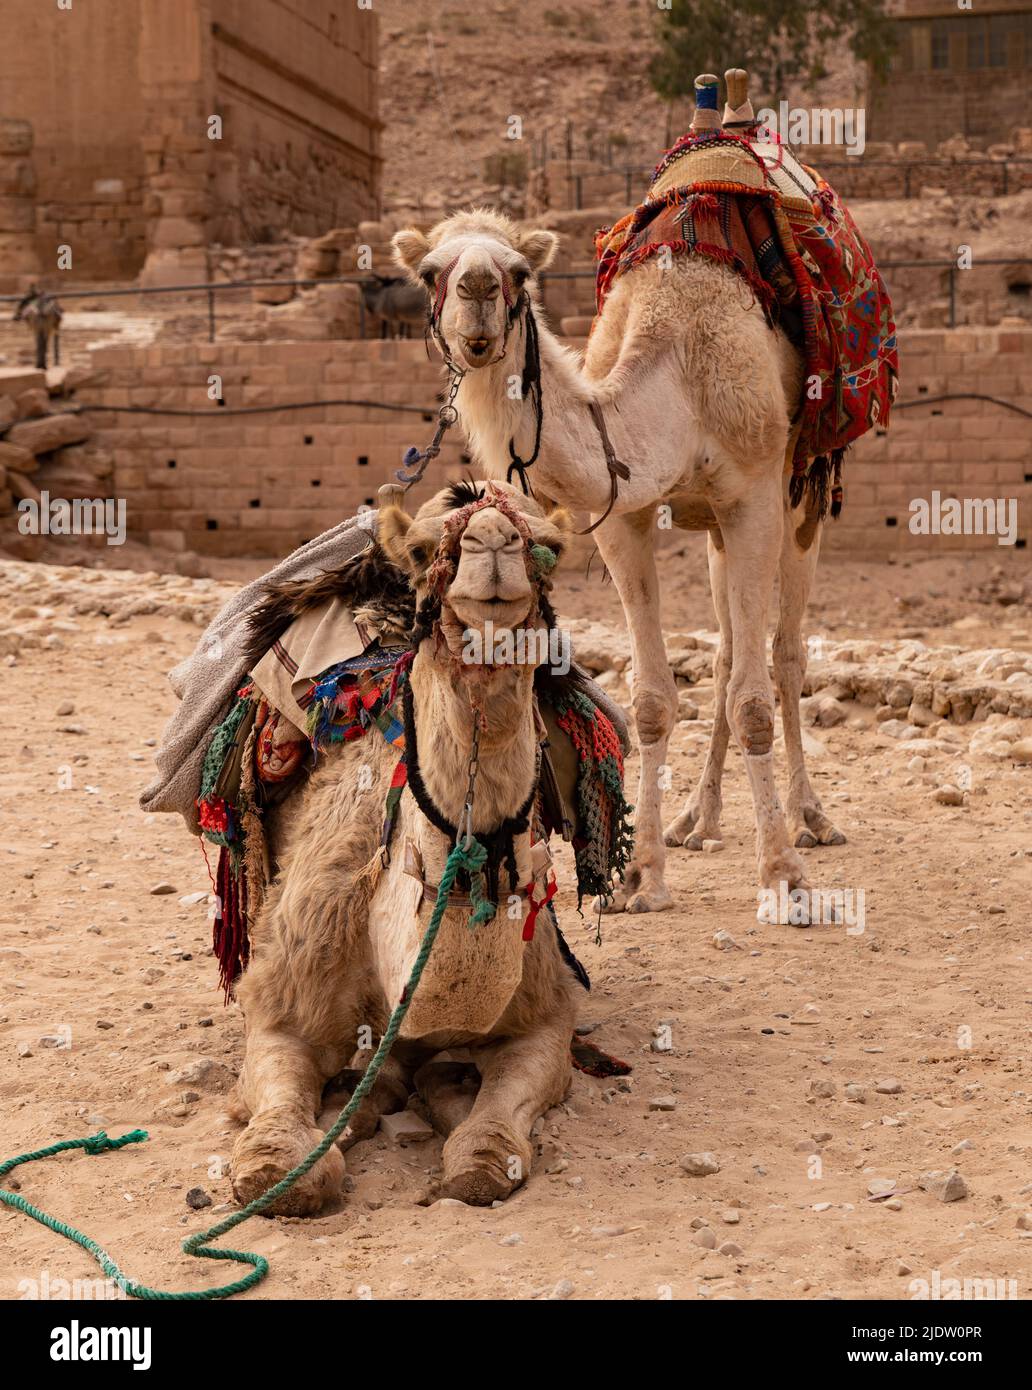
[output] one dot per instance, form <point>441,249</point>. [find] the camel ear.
<point>392,526</point>
<point>554,530</point>
<point>538,248</point>
<point>408,248</point>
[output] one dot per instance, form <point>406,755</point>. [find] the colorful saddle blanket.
<point>747,203</point>
<point>246,771</point>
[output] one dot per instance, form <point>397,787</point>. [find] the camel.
<point>685,381</point>
<point>338,930</point>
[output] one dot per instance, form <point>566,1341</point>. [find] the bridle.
<point>518,307</point>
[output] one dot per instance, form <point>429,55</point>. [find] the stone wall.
<point>260,484</point>
<point>119,98</point>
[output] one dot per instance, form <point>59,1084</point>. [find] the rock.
<point>191,899</point>
<point>405,1127</point>
<point>197,1199</point>
<point>822,1088</point>
<point>52,432</point>
<point>104,1024</point>
<point>829,712</point>
<point>1024,1221</point>
<point>945,1187</point>
<point>1021,751</point>
<point>903,1268</point>
<point>206,1074</point>
<point>13,456</point>
<point>65,708</point>
<point>821,1206</point>
<point>700,1165</point>
<point>160,889</point>
<point>712,846</point>
<point>965,1146</point>
<point>24,1050</point>
<point>948,795</point>
<point>730,1248</point>
<point>514,1239</point>
<point>724,941</point>
<point>889,1087</point>
<point>877,1187</point>
<point>563,1289</point>
<point>662,1103</point>
<point>731,1217</point>
<point>855,1093</point>
<point>894,1204</point>
<point>705,1238</point>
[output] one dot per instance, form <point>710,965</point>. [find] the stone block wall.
<point>260,484</point>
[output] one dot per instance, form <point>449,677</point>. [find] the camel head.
<point>477,267</point>
<point>484,553</point>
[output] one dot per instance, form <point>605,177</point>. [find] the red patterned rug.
<point>747,204</point>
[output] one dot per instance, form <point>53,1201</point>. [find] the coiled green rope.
<point>471,858</point>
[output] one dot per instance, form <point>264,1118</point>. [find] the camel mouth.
<point>477,351</point>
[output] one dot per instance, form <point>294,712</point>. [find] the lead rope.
<point>467,854</point>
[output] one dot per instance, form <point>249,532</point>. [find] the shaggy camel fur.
<point>336,937</point>
<point>697,394</point>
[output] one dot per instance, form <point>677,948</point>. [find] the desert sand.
<point>814,1064</point>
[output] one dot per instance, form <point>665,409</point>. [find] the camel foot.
<point>642,890</point>
<point>814,828</point>
<point>692,826</point>
<point>484,1162</point>
<point>272,1144</point>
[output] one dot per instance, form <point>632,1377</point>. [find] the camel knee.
<point>654,714</point>
<point>752,718</point>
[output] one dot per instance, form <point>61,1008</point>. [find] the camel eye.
<point>427,277</point>
<point>520,276</point>
<point>422,554</point>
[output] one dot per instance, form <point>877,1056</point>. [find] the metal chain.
<point>466,823</point>
<point>446,417</point>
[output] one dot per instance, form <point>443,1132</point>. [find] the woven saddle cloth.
<point>751,205</point>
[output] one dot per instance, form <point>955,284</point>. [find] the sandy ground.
<point>108,993</point>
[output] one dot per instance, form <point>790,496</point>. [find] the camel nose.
<point>479,284</point>
<point>492,532</point>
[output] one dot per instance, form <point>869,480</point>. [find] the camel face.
<point>475,266</point>
<point>491,582</point>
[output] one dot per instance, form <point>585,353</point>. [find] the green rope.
<point>472,860</point>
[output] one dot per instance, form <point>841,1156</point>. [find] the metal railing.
<point>636,177</point>
<point>212,288</point>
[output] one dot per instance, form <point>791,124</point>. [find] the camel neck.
<point>443,718</point>
<point>570,467</point>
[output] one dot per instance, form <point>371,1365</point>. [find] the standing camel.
<point>693,390</point>
<point>334,941</point>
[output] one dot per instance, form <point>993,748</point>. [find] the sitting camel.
<point>334,941</point>
<point>693,391</point>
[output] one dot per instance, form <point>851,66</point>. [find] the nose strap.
<point>442,286</point>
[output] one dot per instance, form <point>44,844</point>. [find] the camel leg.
<point>752,536</point>
<point>488,1155</point>
<point>800,546</point>
<point>700,819</point>
<point>281,1086</point>
<point>625,544</point>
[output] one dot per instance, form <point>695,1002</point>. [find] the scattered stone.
<point>889,1087</point>
<point>104,1023</point>
<point>160,889</point>
<point>206,1074</point>
<point>949,795</point>
<point>822,1206</point>
<point>724,941</point>
<point>731,1217</point>
<point>1024,1221</point>
<point>730,1248</point>
<point>406,1127</point>
<point>65,708</point>
<point>965,1146</point>
<point>700,1165</point>
<point>822,1088</point>
<point>563,1289</point>
<point>712,846</point>
<point>24,1050</point>
<point>877,1187</point>
<point>190,899</point>
<point>903,1268</point>
<point>945,1187</point>
<point>514,1239</point>
<point>705,1238</point>
<point>855,1093</point>
<point>894,1204</point>
<point>663,1103</point>
<point>197,1199</point>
